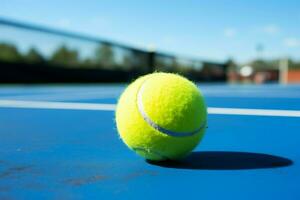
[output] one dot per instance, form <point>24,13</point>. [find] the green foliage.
<point>87,63</point>
<point>65,57</point>
<point>8,52</point>
<point>263,64</point>
<point>166,64</point>
<point>33,56</point>
<point>108,57</point>
<point>232,65</point>
<point>135,60</point>
<point>104,56</point>
<point>273,64</point>
<point>293,65</point>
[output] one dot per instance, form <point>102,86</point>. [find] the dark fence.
<point>33,54</point>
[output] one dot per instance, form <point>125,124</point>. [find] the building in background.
<point>282,71</point>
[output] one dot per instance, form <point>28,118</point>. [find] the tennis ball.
<point>161,116</point>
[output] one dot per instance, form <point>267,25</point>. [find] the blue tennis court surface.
<point>60,142</point>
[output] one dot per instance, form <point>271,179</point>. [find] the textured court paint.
<point>42,151</point>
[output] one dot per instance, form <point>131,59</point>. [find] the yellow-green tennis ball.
<point>161,116</point>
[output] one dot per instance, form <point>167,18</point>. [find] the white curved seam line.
<point>156,126</point>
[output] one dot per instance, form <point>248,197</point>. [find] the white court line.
<point>112,107</point>
<point>56,105</point>
<point>256,112</point>
<point>63,96</point>
<point>257,95</point>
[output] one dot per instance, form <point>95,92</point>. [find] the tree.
<point>165,63</point>
<point>33,56</point>
<point>104,56</point>
<point>127,63</point>
<point>135,59</point>
<point>232,66</point>
<point>293,64</point>
<point>87,63</point>
<point>263,64</point>
<point>65,56</point>
<point>8,52</point>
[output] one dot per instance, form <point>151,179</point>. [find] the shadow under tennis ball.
<point>226,160</point>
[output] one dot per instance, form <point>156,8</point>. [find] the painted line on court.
<point>112,107</point>
<point>56,105</point>
<point>63,96</point>
<point>255,112</point>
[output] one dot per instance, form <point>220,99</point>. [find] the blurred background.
<point>116,41</point>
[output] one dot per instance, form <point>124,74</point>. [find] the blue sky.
<point>211,30</point>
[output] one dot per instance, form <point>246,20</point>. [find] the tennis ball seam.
<point>156,126</point>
